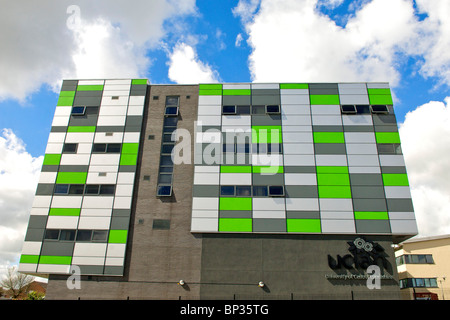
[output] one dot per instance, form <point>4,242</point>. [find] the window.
<point>348,109</point>
<point>229,110</point>
<point>107,189</point>
<point>161,224</point>
<point>99,235</point>
<point>273,109</point>
<point>172,101</point>
<point>243,191</point>
<point>61,189</point>
<point>260,191</point>
<point>164,191</point>
<point>70,148</point>
<point>418,283</point>
<point>76,189</point>
<point>415,259</point>
<point>227,190</point>
<point>106,148</point>
<point>242,109</point>
<point>84,235</point>
<point>276,191</point>
<point>379,109</point>
<point>389,148</point>
<point>67,235</point>
<point>51,234</point>
<point>171,111</point>
<point>78,111</point>
<point>258,109</point>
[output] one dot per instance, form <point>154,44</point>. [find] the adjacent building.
<point>220,191</point>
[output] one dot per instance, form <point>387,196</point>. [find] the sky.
<point>403,42</point>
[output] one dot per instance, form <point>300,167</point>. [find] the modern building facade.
<point>220,191</point>
<point>423,268</point>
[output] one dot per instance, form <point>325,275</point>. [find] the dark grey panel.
<point>301,191</point>
<point>400,205</point>
<point>265,100</point>
<point>112,270</point>
<point>45,189</point>
<point>235,214</point>
<point>358,128</point>
<point>265,92</point>
<point>369,205</point>
<point>87,270</point>
<point>138,93</point>
<point>110,129</point>
<point>134,121</point>
<point>393,169</point>
<point>88,119</point>
<point>328,128</point>
<point>138,87</point>
<point>130,129</point>
<point>384,119</point>
<point>365,179</point>
<point>268,179</point>
<point>121,212</point>
<point>386,128</point>
<point>127,168</point>
<point>235,100</point>
<point>59,129</point>
<point>120,223</point>
<point>34,234</point>
<point>88,94</point>
<point>73,168</point>
<point>314,91</point>
<point>372,226</point>
<point>368,192</point>
<point>70,82</point>
<point>50,168</point>
<point>266,120</point>
<point>212,128</point>
<point>299,169</point>
<point>38,222</point>
<point>302,214</point>
<point>330,148</point>
<point>269,225</point>
<point>57,248</point>
<point>87,101</point>
<point>205,191</point>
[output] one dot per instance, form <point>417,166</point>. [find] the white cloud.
<point>19,174</point>
<point>425,136</point>
<point>186,68</point>
<point>239,39</point>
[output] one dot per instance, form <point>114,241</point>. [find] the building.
<point>220,191</point>
<point>423,268</point>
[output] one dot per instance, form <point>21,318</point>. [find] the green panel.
<point>52,159</point>
<point>128,159</point>
<point>64,212</point>
<point>381,99</point>
<point>210,86</point>
<point>324,99</point>
<point>387,137</point>
<point>237,92</point>
<point>130,148</point>
<point>268,169</point>
<point>377,91</point>
<point>371,215</point>
<point>266,134</point>
<point>235,204</point>
<point>65,101</point>
<point>27,258</point>
<point>55,260</point>
<point>303,225</point>
<point>210,92</point>
<point>331,179</point>
<point>81,129</point>
<point>293,86</point>
<point>395,179</point>
<point>139,81</point>
<point>328,137</point>
<point>71,177</point>
<point>236,169</point>
<point>67,94</point>
<point>118,236</point>
<point>97,87</point>
<point>334,191</point>
<point>331,169</point>
<point>235,225</point>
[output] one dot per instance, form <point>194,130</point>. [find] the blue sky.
<point>403,42</point>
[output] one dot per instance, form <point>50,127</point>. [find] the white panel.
<point>236,120</point>
<point>80,137</point>
<point>97,178</point>
<point>205,203</point>
<point>209,137</point>
<point>115,250</point>
<point>112,261</point>
<point>336,205</point>
<point>54,148</point>
<point>109,101</point>
<point>357,120</point>
<point>136,101</point>
<point>363,160</point>
<point>331,160</point>
<point>112,87</point>
<point>122,202</point>
<point>298,137</point>
<point>392,160</point>
<point>403,226</point>
<point>62,222</point>
<point>364,169</point>
<point>294,91</point>
<point>118,81</point>
<point>112,137</point>
<point>359,137</point>
<point>89,249</point>
<point>66,202</point>
<point>124,190</point>
<point>337,215</point>
<point>296,120</point>
<point>108,93</point>
<point>302,204</point>
<point>402,215</point>
<point>209,120</point>
<point>60,121</point>
<point>361,148</point>
<point>27,267</point>
<point>268,204</point>
<point>75,159</point>
<point>267,160</point>
<point>209,110</point>
<point>56,137</point>
<point>295,99</point>
<point>207,169</point>
<point>272,214</point>
<point>309,179</point>
<point>91,261</point>
<point>101,223</point>
<point>47,177</point>
<point>298,148</point>
<point>125,178</point>
<point>31,247</point>
<point>210,100</point>
<point>206,178</point>
<point>103,169</point>
<point>352,88</point>
<point>96,202</point>
<point>39,211</point>
<point>354,99</point>
<point>299,160</point>
<point>236,86</point>
<point>90,82</point>
<point>301,109</point>
<point>205,214</point>
<point>135,111</point>
<point>326,109</point>
<point>53,268</point>
<point>397,192</point>
<point>111,120</point>
<point>42,201</point>
<point>87,212</point>
<point>105,159</point>
<point>113,111</point>
<point>327,120</point>
<point>84,148</point>
<point>235,179</point>
<point>63,111</point>
<point>288,129</point>
<point>204,225</point>
<point>131,137</point>
<point>338,226</point>
<point>265,86</point>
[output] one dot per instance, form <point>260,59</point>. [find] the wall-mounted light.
<point>181,282</point>
<point>261,284</point>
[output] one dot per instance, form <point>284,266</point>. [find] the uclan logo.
<point>363,254</point>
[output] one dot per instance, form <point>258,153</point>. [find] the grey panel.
<point>268,179</point>
<point>125,168</point>
<point>119,223</point>
<point>327,128</point>
<point>235,100</point>
<point>134,121</point>
<point>398,169</point>
<point>138,87</point>
<point>88,94</point>
<point>49,168</point>
<point>264,100</point>
<point>121,212</point>
<point>86,270</point>
<point>266,120</point>
<point>45,189</point>
<point>73,168</point>
<point>379,128</point>
<point>269,225</point>
<point>400,205</point>
<point>372,226</point>
<point>384,119</point>
<point>265,92</point>
<point>113,270</point>
<point>362,179</point>
<point>302,214</point>
<point>235,214</point>
<point>138,93</point>
<point>38,222</point>
<point>358,128</point>
<point>70,83</point>
<point>34,234</point>
<point>205,191</point>
<point>212,128</point>
<point>129,129</point>
<point>370,205</point>
<point>368,192</point>
<point>87,101</point>
<point>110,129</point>
<point>354,99</point>
<point>57,248</point>
<point>301,191</point>
<point>299,169</point>
<point>58,129</point>
<point>329,148</point>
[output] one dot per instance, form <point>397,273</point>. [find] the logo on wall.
<point>363,253</point>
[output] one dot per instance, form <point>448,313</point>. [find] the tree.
<point>15,282</point>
